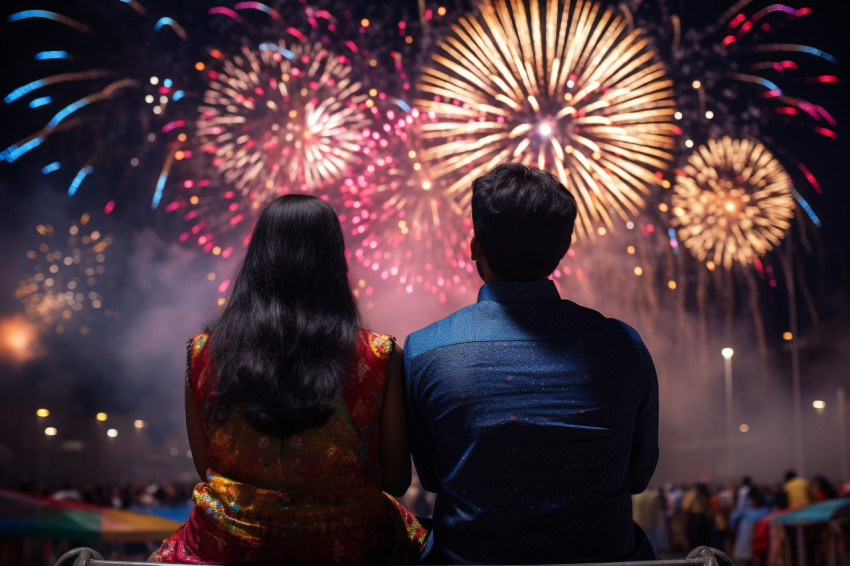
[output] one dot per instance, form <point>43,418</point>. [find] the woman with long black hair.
<point>294,413</point>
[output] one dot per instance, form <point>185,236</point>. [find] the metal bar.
<point>700,556</point>
<point>842,433</point>
<point>671,562</point>
<point>795,361</point>
<point>730,419</point>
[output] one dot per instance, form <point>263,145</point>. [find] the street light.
<point>727,354</point>
<point>101,416</point>
<point>41,415</point>
<point>794,343</point>
<point>842,430</point>
<point>50,431</point>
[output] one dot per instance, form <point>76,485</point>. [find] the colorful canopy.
<point>36,516</point>
<point>823,512</point>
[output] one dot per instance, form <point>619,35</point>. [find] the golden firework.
<point>67,269</point>
<point>732,202</point>
<point>565,86</point>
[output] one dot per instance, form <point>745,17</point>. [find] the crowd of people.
<point>678,518</point>
<point>141,494</point>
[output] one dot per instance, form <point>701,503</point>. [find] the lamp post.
<point>133,461</point>
<point>41,418</point>
<point>842,432</point>
<point>98,470</point>
<point>795,361</point>
<point>49,433</point>
<point>730,453</point>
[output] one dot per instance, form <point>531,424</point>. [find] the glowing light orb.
<point>574,66</point>
<point>19,341</point>
<point>732,202</point>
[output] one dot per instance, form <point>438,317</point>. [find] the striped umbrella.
<point>35,516</point>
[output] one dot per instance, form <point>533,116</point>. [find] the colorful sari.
<point>311,498</point>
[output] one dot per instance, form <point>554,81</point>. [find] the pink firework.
<point>413,234</point>
<point>285,115</point>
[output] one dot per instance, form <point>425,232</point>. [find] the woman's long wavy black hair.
<point>285,342</point>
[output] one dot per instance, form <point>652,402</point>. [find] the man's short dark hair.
<point>523,219</point>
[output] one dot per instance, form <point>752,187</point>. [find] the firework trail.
<point>67,272</point>
<point>738,76</point>
<point>101,94</point>
<point>563,86</point>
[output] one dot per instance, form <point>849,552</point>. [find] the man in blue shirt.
<point>532,418</point>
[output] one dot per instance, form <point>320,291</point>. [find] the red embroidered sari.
<point>312,498</point>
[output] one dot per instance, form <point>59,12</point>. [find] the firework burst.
<point>732,202</point>
<point>278,116</point>
<point>283,118</point>
<point>563,86</point>
<point>67,270</point>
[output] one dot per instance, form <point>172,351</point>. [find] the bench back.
<point>700,556</point>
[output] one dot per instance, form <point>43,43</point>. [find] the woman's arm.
<point>197,436</point>
<point>395,451</point>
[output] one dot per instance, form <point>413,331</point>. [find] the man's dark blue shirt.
<point>534,420</point>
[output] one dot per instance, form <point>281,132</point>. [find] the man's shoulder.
<point>448,330</point>
<point>586,319</point>
<point>480,321</point>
